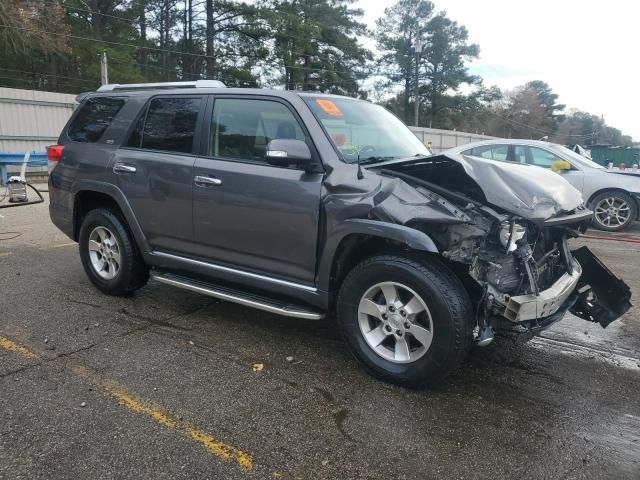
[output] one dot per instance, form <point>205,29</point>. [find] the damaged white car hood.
<point>528,191</point>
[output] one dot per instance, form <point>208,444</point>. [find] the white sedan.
<point>613,197</point>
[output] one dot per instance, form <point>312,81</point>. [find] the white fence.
<point>31,120</point>
<point>445,139</point>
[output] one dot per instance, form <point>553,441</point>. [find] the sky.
<point>587,51</point>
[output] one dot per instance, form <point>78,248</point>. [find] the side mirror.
<point>285,152</point>
<point>560,166</point>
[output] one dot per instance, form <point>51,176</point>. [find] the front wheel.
<point>613,211</point>
<point>407,321</point>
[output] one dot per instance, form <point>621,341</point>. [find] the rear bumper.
<point>61,218</point>
<point>61,209</point>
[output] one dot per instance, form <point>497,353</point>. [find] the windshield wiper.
<point>369,160</point>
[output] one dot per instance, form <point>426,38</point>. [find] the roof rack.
<point>162,85</point>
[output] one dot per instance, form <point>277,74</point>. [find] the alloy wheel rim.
<point>612,212</point>
<point>104,253</point>
<point>395,322</point>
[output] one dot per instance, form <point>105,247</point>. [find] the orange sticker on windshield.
<point>329,107</point>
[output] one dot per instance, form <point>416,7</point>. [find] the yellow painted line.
<point>135,404</point>
<point>61,245</point>
<point>132,403</point>
<point>5,254</point>
<point>14,347</point>
<point>221,449</point>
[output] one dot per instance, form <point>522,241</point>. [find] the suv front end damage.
<point>527,278</point>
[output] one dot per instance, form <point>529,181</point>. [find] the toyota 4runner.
<point>310,205</point>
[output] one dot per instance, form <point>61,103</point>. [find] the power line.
<point>77,79</point>
<point>539,130</point>
<point>133,23</point>
<point>107,42</point>
<point>175,52</point>
<point>22,81</point>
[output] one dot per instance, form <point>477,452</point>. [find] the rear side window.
<point>492,152</point>
<point>169,125</point>
<point>94,117</point>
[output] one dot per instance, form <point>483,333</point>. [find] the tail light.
<point>54,153</point>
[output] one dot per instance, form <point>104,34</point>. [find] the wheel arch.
<point>359,239</point>
<point>89,195</point>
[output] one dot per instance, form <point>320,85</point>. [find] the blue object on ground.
<point>37,159</point>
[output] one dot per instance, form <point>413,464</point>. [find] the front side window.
<point>541,157</point>
<point>94,117</point>
<point>169,125</point>
<point>491,152</point>
<point>242,128</point>
<point>362,130</point>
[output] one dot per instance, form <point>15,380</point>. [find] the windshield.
<point>579,159</point>
<point>359,128</point>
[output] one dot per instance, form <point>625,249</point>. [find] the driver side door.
<point>248,214</point>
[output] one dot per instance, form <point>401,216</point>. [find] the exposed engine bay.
<point>508,228</point>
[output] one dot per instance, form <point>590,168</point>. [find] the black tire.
<point>446,300</point>
<point>133,273</point>
<point>617,196</point>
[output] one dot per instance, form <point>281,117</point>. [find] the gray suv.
<point>312,205</point>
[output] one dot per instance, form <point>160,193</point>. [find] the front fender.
<point>412,238</point>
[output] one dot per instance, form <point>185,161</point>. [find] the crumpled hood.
<point>528,191</point>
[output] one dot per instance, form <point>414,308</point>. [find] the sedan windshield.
<point>362,129</point>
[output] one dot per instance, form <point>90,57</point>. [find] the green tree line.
<point>420,62</point>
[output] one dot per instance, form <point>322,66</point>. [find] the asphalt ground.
<point>170,384</point>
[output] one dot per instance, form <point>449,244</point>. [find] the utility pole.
<point>417,103</point>
<point>104,69</point>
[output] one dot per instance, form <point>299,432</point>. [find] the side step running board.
<point>236,296</point>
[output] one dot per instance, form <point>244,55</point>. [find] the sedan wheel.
<point>613,211</point>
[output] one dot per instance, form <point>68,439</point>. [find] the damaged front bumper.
<point>530,307</point>
<point>591,292</point>
<point>602,297</point>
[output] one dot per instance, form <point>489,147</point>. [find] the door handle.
<point>124,168</point>
<point>203,181</point>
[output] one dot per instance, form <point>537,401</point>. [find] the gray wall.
<point>444,139</point>
<point>30,120</point>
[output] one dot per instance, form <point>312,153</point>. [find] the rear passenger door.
<point>249,214</point>
<point>154,169</point>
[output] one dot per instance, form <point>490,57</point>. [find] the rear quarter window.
<point>94,117</point>
<point>169,125</point>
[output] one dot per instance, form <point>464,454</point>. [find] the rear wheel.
<point>408,322</point>
<point>613,211</point>
<point>109,255</point>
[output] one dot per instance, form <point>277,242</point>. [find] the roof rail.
<point>145,86</point>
